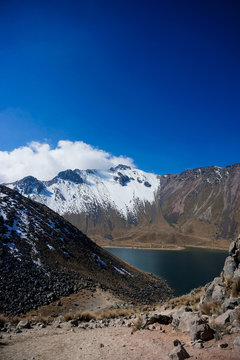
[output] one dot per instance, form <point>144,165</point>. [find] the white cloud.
<point>39,160</point>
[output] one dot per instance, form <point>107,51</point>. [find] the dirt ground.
<point>73,343</point>
<point>83,300</point>
<point>62,341</point>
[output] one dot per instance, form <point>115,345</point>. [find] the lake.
<point>184,270</point>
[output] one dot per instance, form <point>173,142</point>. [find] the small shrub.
<point>84,316</point>
<point>14,320</point>
<point>146,308</point>
<point>236,287</point>
<point>139,324</point>
<point>192,299</point>
<point>3,321</point>
<point>43,319</point>
<point>211,308</point>
<point>68,316</point>
<point>115,313</point>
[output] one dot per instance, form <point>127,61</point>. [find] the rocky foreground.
<point>204,324</point>
<point>63,341</point>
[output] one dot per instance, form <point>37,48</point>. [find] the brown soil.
<point>116,343</point>
<point>84,300</point>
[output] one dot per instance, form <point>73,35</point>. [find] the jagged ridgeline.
<point>124,206</point>
<point>44,257</point>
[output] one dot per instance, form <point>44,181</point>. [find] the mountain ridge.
<point>124,206</point>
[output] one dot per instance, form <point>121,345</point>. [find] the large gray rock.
<point>230,304</point>
<point>234,247</point>
<point>236,343</point>
<point>229,266</point>
<point>181,316</point>
<point>215,291</point>
<point>160,319</point>
<point>223,319</point>
<point>236,274</point>
<point>218,293</point>
<point>234,317</point>
<point>201,332</point>
<point>187,320</point>
<point>23,325</point>
<point>179,353</point>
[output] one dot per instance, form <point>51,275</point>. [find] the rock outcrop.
<point>224,291</point>
<point>217,313</point>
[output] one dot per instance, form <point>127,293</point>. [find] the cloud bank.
<point>39,160</point>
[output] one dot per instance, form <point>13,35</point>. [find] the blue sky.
<point>156,81</point>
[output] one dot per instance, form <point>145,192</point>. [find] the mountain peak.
<point>29,185</point>
<point>70,175</point>
<point>120,167</point>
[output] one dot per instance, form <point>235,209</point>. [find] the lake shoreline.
<point>177,248</point>
<point>183,270</point>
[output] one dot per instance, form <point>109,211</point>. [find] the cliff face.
<point>128,207</point>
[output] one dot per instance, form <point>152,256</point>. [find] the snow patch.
<point>122,271</point>
<point>118,270</point>
<point>101,262</point>
<point>37,262</point>
<point>4,216</point>
<point>50,247</point>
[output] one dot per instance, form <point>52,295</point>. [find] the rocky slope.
<point>128,207</point>
<point>44,257</point>
<point>204,324</point>
<point>218,310</point>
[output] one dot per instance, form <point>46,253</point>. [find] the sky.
<point>150,83</point>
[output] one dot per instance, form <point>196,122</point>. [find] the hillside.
<point>125,206</point>
<point>204,324</point>
<point>44,257</point>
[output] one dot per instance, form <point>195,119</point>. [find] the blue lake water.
<point>184,270</point>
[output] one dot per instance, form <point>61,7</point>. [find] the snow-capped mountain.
<point>124,206</point>
<point>44,257</point>
<point>122,189</point>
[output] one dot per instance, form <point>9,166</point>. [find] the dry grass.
<point>138,325</point>
<point>3,321</point>
<point>186,300</point>
<point>42,319</point>
<point>104,314</point>
<point>145,308</point>
<point>211,308</point>
<point>15,320</point>
<point>236,287</point>
<point>228,282</point>
<point>84,316</point>
<point>68,316</point>
<point>114,313</point>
